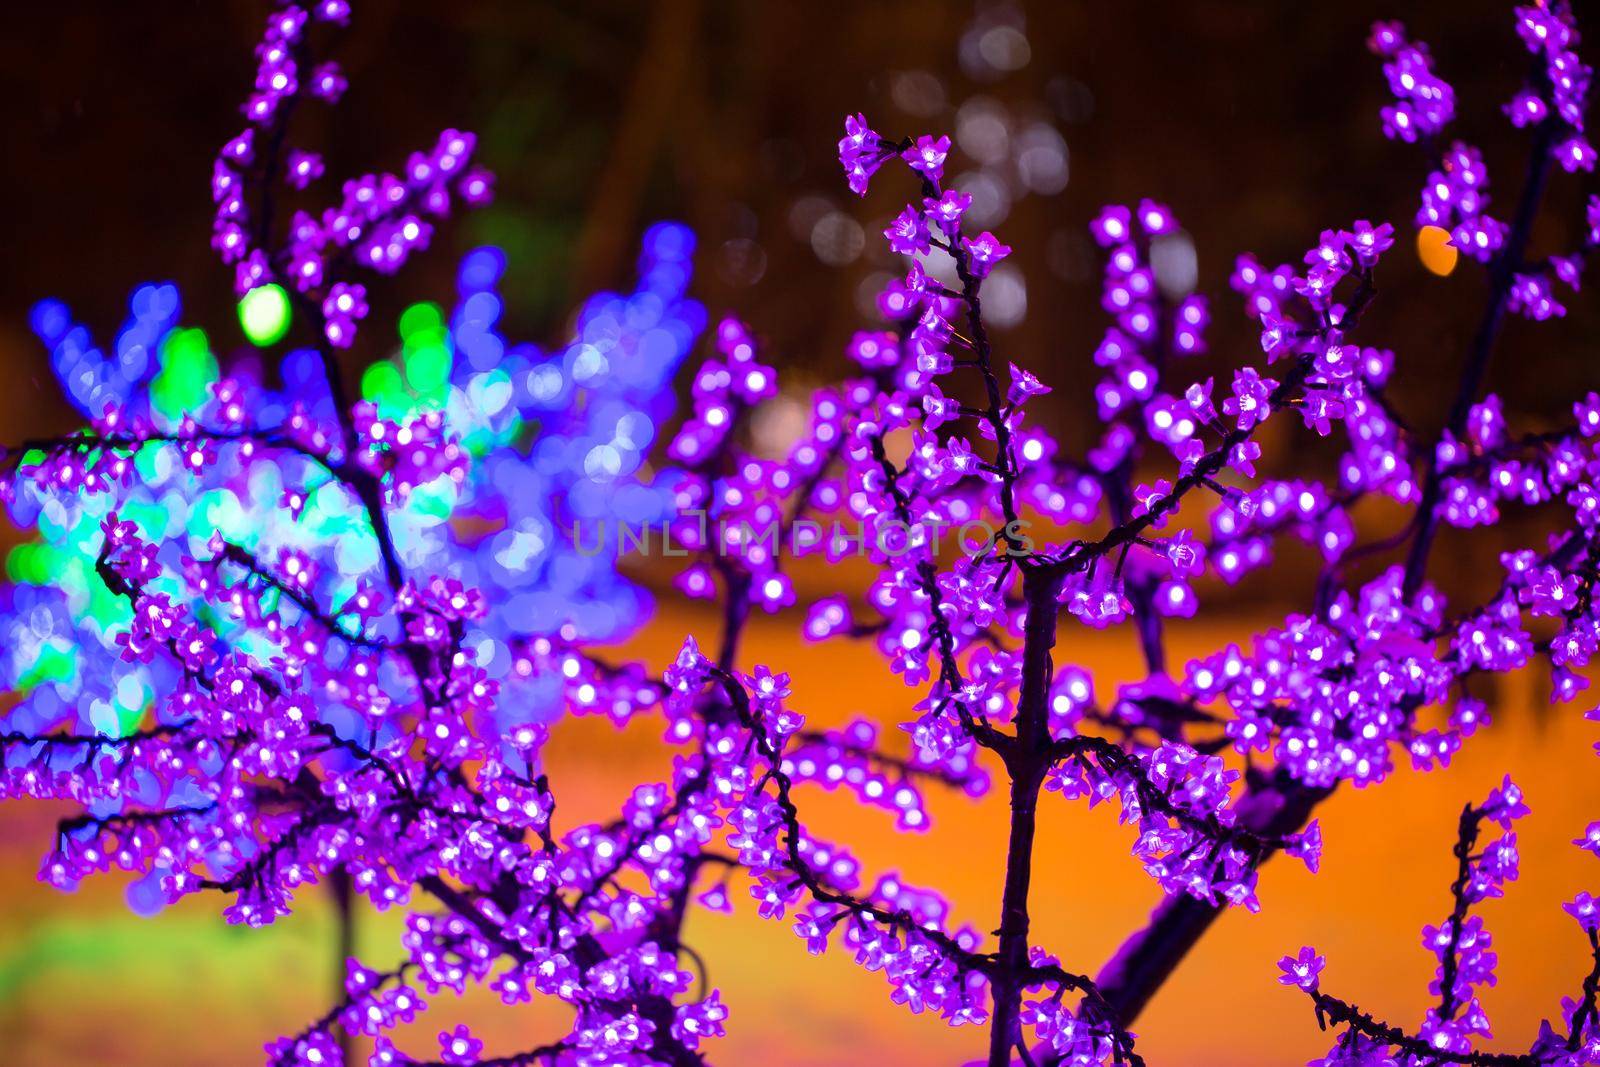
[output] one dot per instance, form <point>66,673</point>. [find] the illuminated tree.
<point>274,635</point>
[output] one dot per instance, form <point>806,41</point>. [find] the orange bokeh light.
<point>1436,251</point>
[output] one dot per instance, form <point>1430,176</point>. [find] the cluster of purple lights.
<point>310,637</point>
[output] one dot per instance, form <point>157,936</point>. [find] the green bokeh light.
<point>427,367</point>
<point>264,314</point>
<point>383,385</point>
<point>187,371</point>
<point>55,664</point>
<point>421,319</point>
<point>426,354</point>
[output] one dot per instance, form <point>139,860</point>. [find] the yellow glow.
<point>1435,250</point>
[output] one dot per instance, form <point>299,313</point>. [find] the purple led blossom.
<point>1456,194</point>
<point>1467,960</point>
<point>379,220</point>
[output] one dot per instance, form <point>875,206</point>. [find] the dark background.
<point>1256,121</point>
